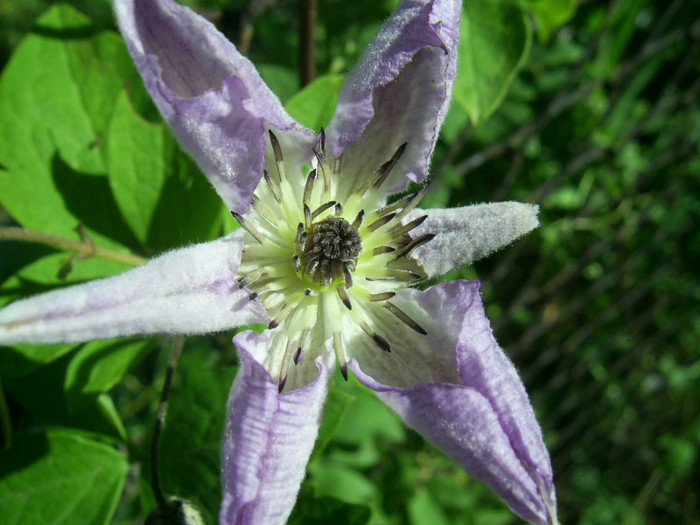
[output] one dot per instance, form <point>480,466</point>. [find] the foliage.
<point>596,119</point>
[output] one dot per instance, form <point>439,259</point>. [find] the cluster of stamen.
<point>330,250</point>
<point>338,249</point>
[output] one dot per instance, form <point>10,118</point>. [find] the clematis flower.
<point>324,258</point>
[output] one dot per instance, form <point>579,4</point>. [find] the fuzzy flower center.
<point>325,255</point>
<point>331,250</point>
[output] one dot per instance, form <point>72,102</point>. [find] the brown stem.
<point>307,41</point>
<point>85,248</point>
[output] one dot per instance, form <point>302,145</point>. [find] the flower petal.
<point>399,93</point>
<point>464,235</point>
<point>191,290</point>
<point>415,358</point>
<point>483,419</point>
<point>269,438</point>
<point>211,96</point>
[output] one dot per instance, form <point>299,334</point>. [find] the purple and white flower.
<point>324,259</point>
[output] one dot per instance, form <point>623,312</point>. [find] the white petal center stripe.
<point>324,257</point>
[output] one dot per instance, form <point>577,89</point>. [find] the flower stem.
<point>85,248</point>
<point>178,345</point>
<point>307,44</point>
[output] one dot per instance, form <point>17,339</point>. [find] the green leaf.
<point>314,105</point>
<point>282,80</point>
<point>337,405</point>
<point>324,510</point>
<point>42,399</point>
<point>495,42</point>
<point>369,421</point>
<point>164,198</point>
<point>137,165</point>
<point>60,477</point>
<point>422,508</point>
<point>56,96</point>
<point>550,15</point>
<point>191,443</point>
<point>100,365</point>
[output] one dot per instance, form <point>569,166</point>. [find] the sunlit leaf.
<point>56,95</point>
<point>495,40</point>
<point>60,477</point>
<point>314,105</point>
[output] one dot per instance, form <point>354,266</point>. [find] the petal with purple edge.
<point>483,419</point>
<point>187,291</point>
<point>399,92</point>
<point>418,358</point>
<point>464,235</point>
<point>268,440</point>
<point>211,96</point>
<point>486,368</point>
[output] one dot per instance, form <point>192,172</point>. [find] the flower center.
<point>325,255</point>
<point>331,250</point>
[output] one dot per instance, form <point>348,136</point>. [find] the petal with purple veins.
<point>269,438</point>
<point>481,418</point>
<point>187,291</point>
<point>211,96</point>
<point>399,93</point>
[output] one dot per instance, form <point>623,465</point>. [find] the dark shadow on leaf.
<point>75,396</point>
<point>89,198</point>
<point>73,33</point>
<point>187,210</point>
<point>27,447</point>
<point>16,255</point>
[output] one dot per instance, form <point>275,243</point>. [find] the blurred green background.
<point>595,118</point>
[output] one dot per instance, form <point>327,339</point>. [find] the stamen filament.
<point>300,239</point>
<point>264,211</point>
<point>299,354</point>
<point>286,361</point>
<point>325,171</point>
<point>274,188</point>
<point>383,296</point>
<point>322,140</point>
<point>413,202</point>
<point>379,176</point>
<point>251,277</point>
<point>386,168</point>
<point>415,244</point>
<point>403,316</point>
<point>400,230</point>
<point>378,339</point>
<point>277,151</point>
<point>282,314</point>
<point>318,211</point>
<point>340,354</point>
<point>381,222</point>
<point>248,227</point>
<point>309,187</point>
<point>343,294</point>
<point>379,250</point>
<point>307,217</point>
<point>358,220</point>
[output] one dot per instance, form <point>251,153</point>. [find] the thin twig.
<point>84,249</point>
<point>160,422</point>
<point>307,41</point>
